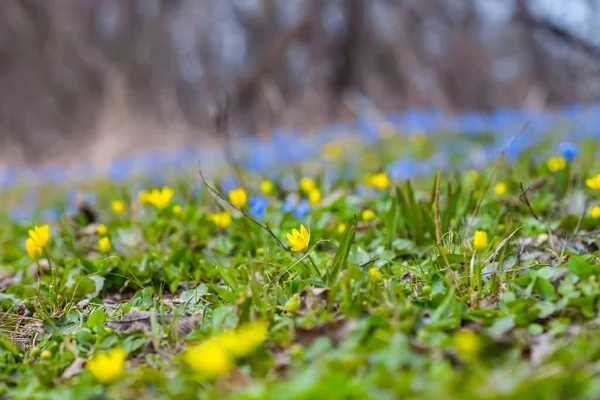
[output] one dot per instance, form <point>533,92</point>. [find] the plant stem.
<point>315,266</point>
<point>40,269</point>
<point>48,258</point>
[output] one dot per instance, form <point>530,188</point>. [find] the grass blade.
<point>341,255</point>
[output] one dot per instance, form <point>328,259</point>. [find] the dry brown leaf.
<point>312,297</point>
<point>335,331</point>
<point>140,321</point>
<point>74,369</point>
<point>236,379</point>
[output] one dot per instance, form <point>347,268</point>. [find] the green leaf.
<point>132,343</point>
<point>580,267</point>
<point>96,318</point>
<point>341,255</point>
<point>392,222</point>
<point>67,323</point>
<point>451,207</point>
<point>224,317</point>
<point>416,214</point>
<point>143,299</point>
<point>545,289</point>
<point>299,261</point>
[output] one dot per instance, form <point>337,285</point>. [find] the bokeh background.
<point>96,80</point>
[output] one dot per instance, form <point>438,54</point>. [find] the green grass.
<point>518,319</point>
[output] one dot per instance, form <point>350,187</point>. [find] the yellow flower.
<point>299,240</point>
<point>472,175</point>
<point>118,207</point>
<point>595,212</point>
<point>332,151</point>
<point>160,198</point>
<point>238,197</point>
<point>501,189</point>
<point>143,197</point>
<point>307,184</point>
<point>556,164</point>
<point>374,275</point>
<point>32,249</point>
<point>260,251</point>
<point>467,344</point>
<point>177,209</point>
<point>244,340</point>
<point>101,229</point>
<point>108,367</point>
<point>40,235</point>
<point>104,245</point>
<point>314,196</point>
<point>594,182</point>
<point>480,240</point>
<point>341,228</point>
<point>418,139</point>
<point>209,359</point>
<point>266,187</point>
<point>368,215</point>
<point>222,219</point>
<point>379,180</point>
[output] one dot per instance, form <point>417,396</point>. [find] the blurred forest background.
<point>100,78</point>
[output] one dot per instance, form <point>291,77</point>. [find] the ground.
<point>435,276</point>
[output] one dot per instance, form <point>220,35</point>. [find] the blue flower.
<point>401,169</point>
<point>228,183</point>
<point>31,198</point>
<point>288,206</point>
<point>51,214</point>
<point>119,170</point>
<point>568,150</point>
<point>9,177</point>
<point>258,205</point>
<point>302,209</point>
<point>53,174</point>
<point>20,215</point>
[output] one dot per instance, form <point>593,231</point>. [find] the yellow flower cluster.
<point>556,164</point>
<point>332,151</point>
<point>108,367</point>
<point>379,180</point>
<point>480,240</point>
<point>374,275</point>
<point>593,182</point>
<point>467,344</point>
<point>217,355</point>
<point>102,230</point>
<point>307,184</point>
<point>267,187</point>
<point>104,244</point>
<point>118,207</point>
<point>314,196</point>
<point>368,215</point>
<point>38,239</point>
<point>299,240</point>
<point>595,212</point>
<point>501,189</point>
<point>238,197</point>
<point>222,219</point>
<point>158,198</point>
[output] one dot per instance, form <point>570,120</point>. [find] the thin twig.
<point>371,261</point>
<point>524,199</point>
<point>265,227</point>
